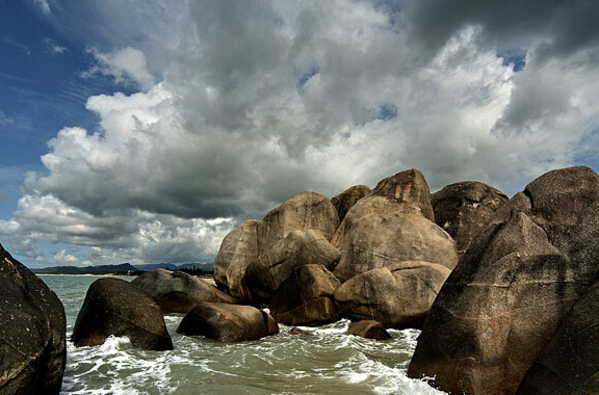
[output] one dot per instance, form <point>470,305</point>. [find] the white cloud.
<point>62,258</point>
<point>52,47</point>
<point>261,100</point>
<point>43,5</point>
<point>127,66</point>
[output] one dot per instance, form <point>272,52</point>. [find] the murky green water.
<point>328,362</point>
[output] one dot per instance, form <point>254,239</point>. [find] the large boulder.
<point>306,297</point>
<point>508,295</point>
<point>464,209</point>
<point>304,211</point>
<point>117,307</point>
<point>32,332</point>
<point>368,329</point>
<point>399,295</point>
<point>236,252</point>
<point>569,363</point>
<point>227,322</point>
<point>394,223</point>
<point>377,233</point>
<point>346,199</point>
<point>178,292</point>
<point>266,273</point>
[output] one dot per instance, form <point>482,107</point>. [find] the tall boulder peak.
<point>409,190</point>
<point>464,209</point>
<point>304,211</point>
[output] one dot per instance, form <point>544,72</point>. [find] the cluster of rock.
<point>364,255</point>
<point>515,315</point>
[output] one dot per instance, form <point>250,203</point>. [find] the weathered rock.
<point>464,209</point>
<point>569,363</point>
<point>399,295</point>
<point>305,298</point>
<point>377,233</point>
<point>368,329</point>
<point>32,332</point>
<point>236,252</point>
<point>266,273</point>
<point>228,323</point>
<point>503,302</point>
<point>346,199</point>
<point>178,292</point>
<point>304,211</point>
<point>116,307</point>
<point>409,191</point>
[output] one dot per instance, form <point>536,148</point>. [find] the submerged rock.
<point>178,292</point>
<point>32,332</point>
<point>116,307</point>
<point>306,297</point>
<point>399,295</point>
<point>504,301</point>
<point>236,252</point>
<point>228,323</point>
<point>348,198</point>
<point>368,329</point>
<point>464,209</point>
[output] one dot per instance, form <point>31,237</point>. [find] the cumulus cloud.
<point>260,100</point>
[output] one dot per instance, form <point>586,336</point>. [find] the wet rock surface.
<point>178,292</point>
<point>228,323</point>
<point>116,307</point>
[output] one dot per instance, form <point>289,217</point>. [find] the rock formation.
<point>116,307</point>
<point>236,252</point>
<point>306,297</point>
<point>464,209</point>
<point>228,323</point>
<point>178,292</point>
<point>511,290</point>
<point>392,224</point>
<point>266,272</point>
<point>346,199</point>
<point>304,211</point>
<point>399,295</point>
<point>32,332</point>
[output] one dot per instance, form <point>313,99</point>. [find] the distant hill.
<point>102,269</point>
<point>122,268</point>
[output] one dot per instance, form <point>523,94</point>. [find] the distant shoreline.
<point>87,274</point>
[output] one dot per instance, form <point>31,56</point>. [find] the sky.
<point>143,131</point>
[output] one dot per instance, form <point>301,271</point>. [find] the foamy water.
<point>324,362</point>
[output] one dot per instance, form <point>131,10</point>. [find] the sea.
<point>325,361</point>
